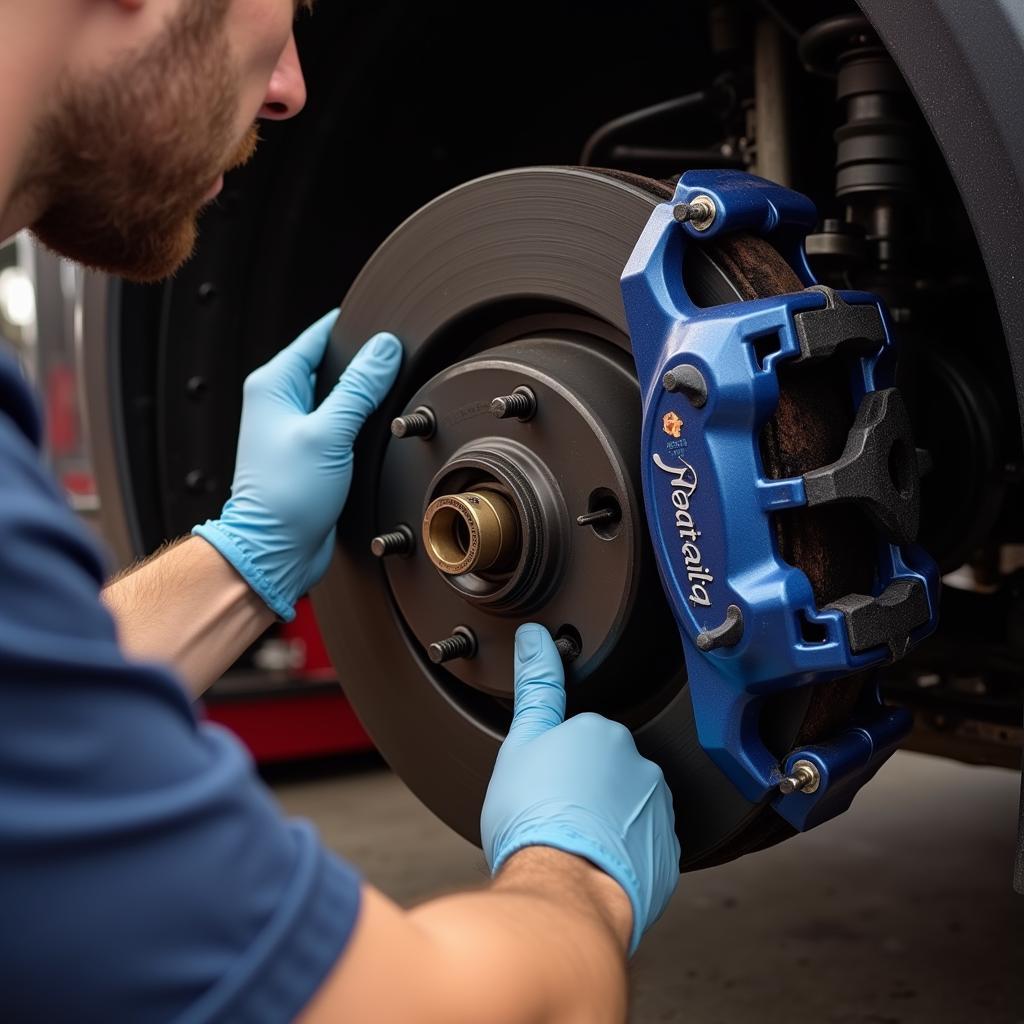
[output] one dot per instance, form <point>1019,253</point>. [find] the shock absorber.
<point>876,166</point>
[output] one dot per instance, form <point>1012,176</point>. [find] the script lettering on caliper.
<point>684,486</point>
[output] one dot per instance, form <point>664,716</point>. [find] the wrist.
<point>571,882</point>
<point>244,558</point>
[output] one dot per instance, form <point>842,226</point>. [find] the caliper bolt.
<point>688,381</point>
<point>521,404</point>
<point>420,422</point>
<point>399,541</point>
<point>804,778</point>
<point>461,644</point>
<point>728,634</point>
<point>700,212</point>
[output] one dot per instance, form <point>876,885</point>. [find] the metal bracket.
<point>839,327</point>
<point>878,469</point>
<point>738,605</point>
<point>887,620</point>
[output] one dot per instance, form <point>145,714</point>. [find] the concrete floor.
<point>900,912</point>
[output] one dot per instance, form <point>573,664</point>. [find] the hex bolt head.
<point>421,422</point>
<point>689,382</point>
<point>682,212</point>
<point>521,404</point>
<point>804,778</point>
<point>399,541</point>
<point>461,644</point>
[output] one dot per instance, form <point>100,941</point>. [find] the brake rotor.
<point>512,282</point>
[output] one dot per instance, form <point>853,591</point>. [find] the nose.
<point>286,94</point>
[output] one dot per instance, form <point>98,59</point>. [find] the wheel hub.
<point>495,502</point>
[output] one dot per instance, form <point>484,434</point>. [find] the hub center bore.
<point>473,532</point>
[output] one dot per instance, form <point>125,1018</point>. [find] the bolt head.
<point>804,778</point>
<point>703,213</point>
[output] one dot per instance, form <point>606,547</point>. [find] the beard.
<point>125,160</point>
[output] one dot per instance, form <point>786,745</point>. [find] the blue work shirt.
<point>145,872</point>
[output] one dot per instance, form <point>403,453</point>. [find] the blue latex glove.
<point>580,786</point>
<point>294,464</point>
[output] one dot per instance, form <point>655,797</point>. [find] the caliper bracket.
<point>741,609</point>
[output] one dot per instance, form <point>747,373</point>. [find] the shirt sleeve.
<point>145,872</point>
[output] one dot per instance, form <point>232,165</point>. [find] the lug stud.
<point>568,649</point>
<point>461,644</point>
<point>521,404</point>
<point>421,422</point>
<point>688,381</point>
<point>804,778</point>
<point>399,541</point>
<point>599,516</point>
<point>728,634</point>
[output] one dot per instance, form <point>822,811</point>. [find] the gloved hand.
<point>579,786</point>
<point>294,464</point>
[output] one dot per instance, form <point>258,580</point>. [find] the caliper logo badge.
<point>684,486</point>
<point>672,424</point>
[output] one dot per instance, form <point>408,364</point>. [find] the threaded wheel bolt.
<point>521,405</point>
<point>461,644</point>
<point>599,517</point>
<point>421,422</point>
<point>568,649</point>
<point>399,541</point>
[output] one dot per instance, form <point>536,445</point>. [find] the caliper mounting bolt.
<point>399,541</point>
<point>688,381</point>
<point>804,778</point>
<point>700,212</point>
<point>521,404</point>
<point>461,644</point>
<point>421,422</point>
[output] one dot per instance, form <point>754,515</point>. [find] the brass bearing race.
<point>471,532</point>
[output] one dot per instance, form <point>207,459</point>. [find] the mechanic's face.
<point>129,155</point>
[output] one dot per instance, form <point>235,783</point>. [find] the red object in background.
<point>62,410</point>
<point>307,716</point>
<point>304,627</point>
<point>285,727</point>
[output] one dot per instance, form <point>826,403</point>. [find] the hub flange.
<point>516,551</point>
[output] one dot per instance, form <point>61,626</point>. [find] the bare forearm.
<point>189,609</point>
<point>544,944</point>
<point>551,918</point>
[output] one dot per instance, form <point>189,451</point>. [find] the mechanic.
<point>145,873</point>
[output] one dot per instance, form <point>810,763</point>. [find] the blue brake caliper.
<point>742,611</point>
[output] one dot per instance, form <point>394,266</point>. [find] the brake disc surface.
<point>514,279</point>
